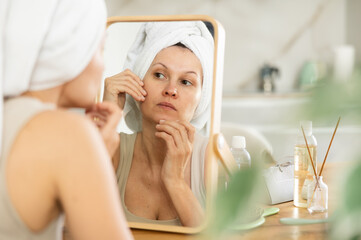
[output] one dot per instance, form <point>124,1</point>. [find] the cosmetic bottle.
<point>303,170</point>
<point>239,152</point>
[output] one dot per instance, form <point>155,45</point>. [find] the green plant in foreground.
<point>330,99</point>
<point>233,202</point>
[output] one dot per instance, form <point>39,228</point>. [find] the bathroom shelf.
<point>295,94</point>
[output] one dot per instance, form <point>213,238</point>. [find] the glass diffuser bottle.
<point>317,196</point>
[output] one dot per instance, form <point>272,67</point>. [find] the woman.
<point>160,168</point>
<point>54,161</point>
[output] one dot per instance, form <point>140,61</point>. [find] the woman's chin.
<point>165,117</point>
<point>155,117</point>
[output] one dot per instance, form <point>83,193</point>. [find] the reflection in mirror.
<point>161,75</point>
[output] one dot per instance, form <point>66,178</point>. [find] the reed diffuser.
<point>317,193</point>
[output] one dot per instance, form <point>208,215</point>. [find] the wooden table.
<point>272,228</point>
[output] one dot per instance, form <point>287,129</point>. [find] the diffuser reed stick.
<point>329,146</point>
<point>313,166</point>
<point>324,160</point>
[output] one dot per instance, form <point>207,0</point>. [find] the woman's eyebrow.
<point>187,72</point>
<point>192,72</point>
<point>160,64</point>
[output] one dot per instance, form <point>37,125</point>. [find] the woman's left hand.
<point>179,137</point>
<point>106,115</point>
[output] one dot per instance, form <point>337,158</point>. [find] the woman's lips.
<point>167,105</point>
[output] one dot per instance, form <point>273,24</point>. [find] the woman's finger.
<point>97,115</point>
<point>134,76</point>
<point>115,84</point>
<point>131,83</point>
<point>114,114</point>
<point>175,131</point>
<point>97,121</point>
<point>184,128</point>
<point>169,140</point>
<point>190,130</point>
<point>100,124</point>
<point>133,92</point>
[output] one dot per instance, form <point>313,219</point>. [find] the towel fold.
<point>150,40</point>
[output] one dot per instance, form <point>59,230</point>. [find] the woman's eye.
<point>186,82</point>
<point>159,75</point>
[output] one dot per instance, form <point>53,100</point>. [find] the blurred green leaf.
<point>232,202</point>
<point>331,98</point>
<point>352,191</point>
<point>347,224</point>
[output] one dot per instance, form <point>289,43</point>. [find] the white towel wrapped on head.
<point>49,42</point>
<point>45,43</point>
<point>154,37</point>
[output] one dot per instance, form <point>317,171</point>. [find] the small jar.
<point>317,196</point>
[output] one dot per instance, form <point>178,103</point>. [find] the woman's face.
<point>173,84</point>
<point>81,91</point>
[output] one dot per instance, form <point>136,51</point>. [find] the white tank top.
<point>17,113</point>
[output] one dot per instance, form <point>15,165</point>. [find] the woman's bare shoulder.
<point>61,117</point>
<point>62,123</point>
<point>62,133</point>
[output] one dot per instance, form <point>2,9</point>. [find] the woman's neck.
<point>51,95</point>
<point>152,147</point>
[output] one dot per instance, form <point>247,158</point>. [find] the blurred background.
<point>275,52</point>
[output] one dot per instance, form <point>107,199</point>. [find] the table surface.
<point>272,228</point>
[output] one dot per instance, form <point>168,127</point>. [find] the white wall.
<point>120,37</point>
<point>256,32</point>
<point>353,25</point>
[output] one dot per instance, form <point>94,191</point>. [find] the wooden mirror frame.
<point>212,150</point>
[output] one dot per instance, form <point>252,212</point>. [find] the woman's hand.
<point>106,115</point>
<point>124,82</point>
<point>179,137</point>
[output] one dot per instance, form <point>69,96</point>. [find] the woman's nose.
<point>170,91</point>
